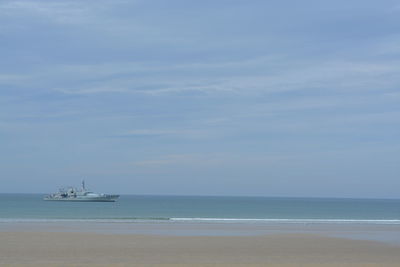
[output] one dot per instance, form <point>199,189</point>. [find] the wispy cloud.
<point>226,77</point>
<point>176,159</point>
<point>205,159</point>
<point>188,133</point>
<point>390,45</point>
<point>62,12</point>
<point>93,90</point>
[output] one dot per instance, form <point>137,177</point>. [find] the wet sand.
<point>44,248</point>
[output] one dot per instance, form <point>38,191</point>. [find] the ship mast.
<point>83,185</point>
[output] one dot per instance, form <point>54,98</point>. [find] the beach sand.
<point>27,248</point>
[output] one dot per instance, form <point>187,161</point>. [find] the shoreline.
<point>387,233</point>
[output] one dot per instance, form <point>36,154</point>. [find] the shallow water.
<point>31,207</point>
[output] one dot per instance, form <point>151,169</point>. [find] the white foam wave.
<point>207,220</point>
<point>301,221</point>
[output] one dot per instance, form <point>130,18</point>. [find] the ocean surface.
<point>31,207</point>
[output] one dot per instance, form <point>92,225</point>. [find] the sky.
<point>247,98</point>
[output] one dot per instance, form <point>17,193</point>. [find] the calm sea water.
<point>31,207</point>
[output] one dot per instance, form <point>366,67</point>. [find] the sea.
<point>224,209</point>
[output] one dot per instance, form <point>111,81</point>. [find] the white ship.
<point>73,194</point>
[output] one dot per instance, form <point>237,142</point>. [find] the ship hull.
<point>112,198</point>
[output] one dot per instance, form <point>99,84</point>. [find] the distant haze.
<point>269,98</point>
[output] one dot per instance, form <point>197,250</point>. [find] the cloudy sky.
<point>270,98</point>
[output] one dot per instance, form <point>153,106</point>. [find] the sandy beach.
<point>43,248</point>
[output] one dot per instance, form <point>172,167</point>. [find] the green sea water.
<point>31,207</point>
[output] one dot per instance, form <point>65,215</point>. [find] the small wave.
<point>302,221</point>
<point>92,220</point>
<point>203,220</point>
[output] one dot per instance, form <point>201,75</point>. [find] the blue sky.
<point>271,98</point>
